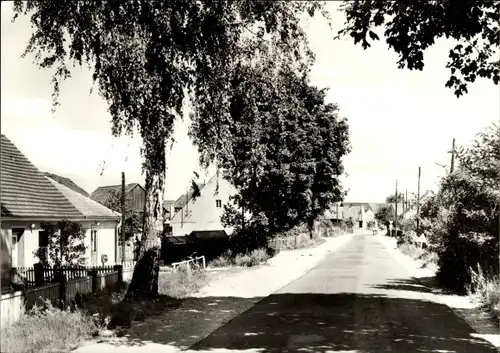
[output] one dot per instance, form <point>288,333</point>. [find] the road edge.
<point>417,273</point>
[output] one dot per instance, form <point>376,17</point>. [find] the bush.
<point>462,220</point>
<point>221,261</point>
<point>254,258</point>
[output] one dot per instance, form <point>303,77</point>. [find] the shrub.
<point>221,261</point>
<point>254,258</point>
<point>462,220</point>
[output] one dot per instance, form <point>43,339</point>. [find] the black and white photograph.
<point>250,176</point>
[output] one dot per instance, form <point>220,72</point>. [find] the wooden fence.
<point>69,272</point>
<point>13,305</point>
<point>196,261</point>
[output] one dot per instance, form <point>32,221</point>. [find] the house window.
<point>218,203</point>
<point>43,239</point>
<point>93,240</point>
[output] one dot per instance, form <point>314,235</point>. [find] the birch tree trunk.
<point>145,278</point>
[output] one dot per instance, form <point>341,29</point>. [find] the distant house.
<point>135,197</point>
<point>201,217</point>
<point>28,197</point>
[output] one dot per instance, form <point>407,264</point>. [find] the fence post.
<point>204,263</point>
<point>119,268</point>
<point>93,273</point>
<point>38,269</point>
<point>62,288</point>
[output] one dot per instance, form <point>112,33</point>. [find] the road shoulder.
<point>462,306</point>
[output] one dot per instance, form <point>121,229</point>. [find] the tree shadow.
<point>310,322</point>
<point>404,285</point>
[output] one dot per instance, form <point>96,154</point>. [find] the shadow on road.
<point>404,285</point>
<point>308,322</point>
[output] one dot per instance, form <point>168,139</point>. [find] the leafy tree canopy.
<point>462,219</point>
<point>392,198</point>
<point>146,57</point>
<point>412,26</point>
<point>285,148</point>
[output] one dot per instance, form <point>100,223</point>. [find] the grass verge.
<point>427,258</point>
<point>253,258</point>
<point>49,329</point>
<point>485,291</point>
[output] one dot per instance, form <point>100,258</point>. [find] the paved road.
<point>358,300</point>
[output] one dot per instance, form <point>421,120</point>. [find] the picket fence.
<point>14,304</point>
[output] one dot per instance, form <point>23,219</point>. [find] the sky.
<point>399,120</point>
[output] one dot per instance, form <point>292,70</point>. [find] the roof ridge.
<point>190,198</point>
<point>26,191</point>
<point>87,199</point>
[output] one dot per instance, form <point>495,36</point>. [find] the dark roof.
<point>209,234</point>
<point>176,240</point>
<point>27,192</point>
<point>67,182</point>
<point>102,193</point>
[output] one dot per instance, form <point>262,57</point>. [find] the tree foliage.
<point>66,244</point>
<point>411,27</point>
<point>462,219</point>
<point>392,198</point>
<point>285,148</point>
<point>385,214</point>
<point>146,57</point>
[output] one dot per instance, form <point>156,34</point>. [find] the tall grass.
<point>253,258</point>
<point>181,283</point>
<point>486,291</point>
<point>47,329</point>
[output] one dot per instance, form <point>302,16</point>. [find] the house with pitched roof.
<point>30,197</point>
<point>135,197</point>
<point>201,216</point>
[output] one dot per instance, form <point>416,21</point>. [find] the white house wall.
<point>202,213</point>
<point>29,242</point>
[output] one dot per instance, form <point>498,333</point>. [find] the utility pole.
<point>452,156</point>
<point>123,217</point>
<point>187,202</point>
<point>418,203</point>
<point>396,212</point>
